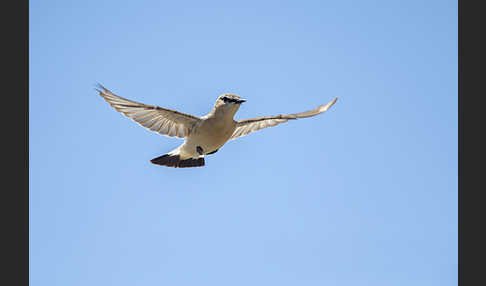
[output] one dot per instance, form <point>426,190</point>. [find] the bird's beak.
<point>241,100</point>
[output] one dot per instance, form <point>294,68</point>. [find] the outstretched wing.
<point>161,120</point>
<point>243,127</point>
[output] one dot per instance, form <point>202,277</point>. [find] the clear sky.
<point>364,194</point>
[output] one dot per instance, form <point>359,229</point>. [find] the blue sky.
<point>364,194</point>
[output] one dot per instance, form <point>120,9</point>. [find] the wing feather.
<point>164,121</point>
<point>246,126</point>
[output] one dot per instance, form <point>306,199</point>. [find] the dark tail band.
<point>175,161</point>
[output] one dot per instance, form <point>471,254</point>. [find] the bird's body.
<point>212,132</point>
<point>204,135</point>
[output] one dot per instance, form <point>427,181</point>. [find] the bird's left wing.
<point>161,120</point>
<point>245,126</point>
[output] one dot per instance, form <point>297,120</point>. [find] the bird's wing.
<point>161,120</point>
<point>245,126</point>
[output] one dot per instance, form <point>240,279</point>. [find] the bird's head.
<point>228,102</point>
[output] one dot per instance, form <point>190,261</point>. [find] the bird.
<point>203,135</point>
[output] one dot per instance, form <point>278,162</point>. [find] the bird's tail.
<point>174,160</point>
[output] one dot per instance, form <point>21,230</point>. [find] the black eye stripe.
<point>232,100</point>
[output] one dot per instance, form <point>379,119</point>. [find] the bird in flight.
<point>204,135</point>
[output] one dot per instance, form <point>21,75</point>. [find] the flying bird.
<point>204,135</point>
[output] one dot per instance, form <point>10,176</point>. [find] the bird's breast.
<point>212,134</point>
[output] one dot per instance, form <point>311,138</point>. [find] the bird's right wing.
<point>243,127</point>
<point>161,120</point>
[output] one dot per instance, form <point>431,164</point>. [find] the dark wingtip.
<point>99,88</point>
